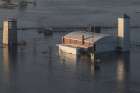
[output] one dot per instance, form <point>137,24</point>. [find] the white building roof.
<point>88,36</point>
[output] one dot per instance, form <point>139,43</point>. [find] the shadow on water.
<point>122,72</point>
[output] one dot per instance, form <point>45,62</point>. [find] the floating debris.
<point>8,5</point>
<point>24,3</point>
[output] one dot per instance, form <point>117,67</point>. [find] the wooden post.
<point>83,40</point>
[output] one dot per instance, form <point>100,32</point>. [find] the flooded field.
<point>37,67</point>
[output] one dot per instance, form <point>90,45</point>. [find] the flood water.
<point>37,67</point>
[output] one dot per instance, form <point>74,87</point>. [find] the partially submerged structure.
<point>85,41</point>
<point>9,31</point>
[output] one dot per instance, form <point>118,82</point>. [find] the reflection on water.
<point>83,64</point>
<point>9,63</point>
<point>123,69</point>
<point>70,58</point>
<point>6,63</point>
<point>37,67</point>
<point>112,72</point>
<point>122,66</point>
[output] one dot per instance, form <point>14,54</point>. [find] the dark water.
<point>37,67</point>
<point>73,12</point>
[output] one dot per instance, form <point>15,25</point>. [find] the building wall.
<point>71,41</point>
<point>67,49</point>
<point>9,32</point>
<point>107,44</point>
<point>5,32</point>
<point>13,32</point>
<point>123,33</point>
<point>76,42</point>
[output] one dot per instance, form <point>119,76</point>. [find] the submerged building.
<point>85,41</point>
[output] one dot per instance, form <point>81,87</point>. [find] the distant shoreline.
<point>68,28</point>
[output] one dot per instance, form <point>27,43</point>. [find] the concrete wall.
<point>5,33</point>
<point>123,34</point>
<point>68,49</point>
<point>9,32</point>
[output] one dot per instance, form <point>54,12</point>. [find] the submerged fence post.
<point>9,32</point>
<point>93,55</point>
